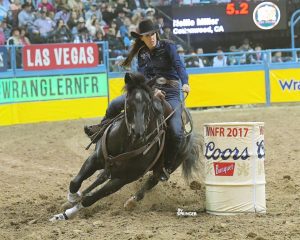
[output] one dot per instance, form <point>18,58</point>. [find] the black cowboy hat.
<point>145,27</point>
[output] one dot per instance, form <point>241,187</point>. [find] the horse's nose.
<point>139,131</point>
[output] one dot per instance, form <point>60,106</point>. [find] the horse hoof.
<point>57,218</point>
<point>130,204</point>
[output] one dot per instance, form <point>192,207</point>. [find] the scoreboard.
<point>241,16</point>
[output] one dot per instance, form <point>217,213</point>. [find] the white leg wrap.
<point>74,197</point>
<point>72,212</point>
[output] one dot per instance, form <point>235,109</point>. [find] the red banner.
<point>60,56</point>
<point>224,168</point>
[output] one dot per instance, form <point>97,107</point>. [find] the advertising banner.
<point>285,85</point>
<point>3,59</point>
<point>53,87</point>
<point>60,56</point>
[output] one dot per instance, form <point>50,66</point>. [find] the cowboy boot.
<point>91,130</point>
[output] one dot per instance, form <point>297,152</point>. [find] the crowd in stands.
<point>24,22</point>
<point>59,21</point>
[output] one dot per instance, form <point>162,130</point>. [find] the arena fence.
<point>71,81</point>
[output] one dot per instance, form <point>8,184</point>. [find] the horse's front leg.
<point>110,187</point>
<point>101,178</point>
<point>90,166</point>
<point>151,182</point>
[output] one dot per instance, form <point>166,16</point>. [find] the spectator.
<point>4,7</point>
<point>76,6</point>
<point>181,53</point>
<point>44,26</point>
<point>257,57</point>
<point>192,60</point>
<point>83,36</point>
<point>93,11</point>
<point>23,38</point>
<point>15,8</point>
<point>80,25</point>
<point>136,18</point>
<point>63,14</point>
<point>122,6</point>
<point>120,18</point>
<point>220,60</point>
<point>150,13</point>
<point>167,33</point>
<point>108,13</point>
<point>160,23</point>
<point>26,17</point>
<point>73,20</point>
<point>45,4</point>
<point>16,41</point>
<point>15,38</point>
<point>233,59</point>
<point>62,33</point>
<point>5,29</point>
<point>99,38</point>
<point>2,34</point>
<point>203,61</point>
<point>116,46</point>
<point>94,26</point>
<point>246,48</point>
<point>277,58</point>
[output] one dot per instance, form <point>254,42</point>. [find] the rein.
<point>164,122</point>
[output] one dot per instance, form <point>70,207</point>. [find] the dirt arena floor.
<point>37,162</point>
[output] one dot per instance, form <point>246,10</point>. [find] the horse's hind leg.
<point>90,166</point>
<point>150,183</point>
<point>110,187</point>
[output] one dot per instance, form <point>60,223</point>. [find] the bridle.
<point>128,124</point>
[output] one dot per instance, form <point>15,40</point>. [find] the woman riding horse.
<point>157,59</point>
<point>130,147</point>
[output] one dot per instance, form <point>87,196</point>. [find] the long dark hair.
<point>137,45</point>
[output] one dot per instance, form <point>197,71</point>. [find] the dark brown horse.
<point>130,147</point>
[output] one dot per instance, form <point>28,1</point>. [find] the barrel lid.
<point>235,124</point>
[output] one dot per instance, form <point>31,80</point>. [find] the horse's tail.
<point>192,163</point>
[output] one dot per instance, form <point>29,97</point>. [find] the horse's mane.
<point>136,80</point>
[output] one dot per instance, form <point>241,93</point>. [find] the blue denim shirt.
<point>162,61</point>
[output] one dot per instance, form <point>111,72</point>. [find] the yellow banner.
<point>219,89</point>
<point>216,89</point>
<point>56,110</point>
<point>285,85</point>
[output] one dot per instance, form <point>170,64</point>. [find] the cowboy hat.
<point>145,27</point>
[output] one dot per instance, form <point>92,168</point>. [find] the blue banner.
<point>3,59</point>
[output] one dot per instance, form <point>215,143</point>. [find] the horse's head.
<point>139,105</point>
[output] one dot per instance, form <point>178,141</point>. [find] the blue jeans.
<point>175,131</point>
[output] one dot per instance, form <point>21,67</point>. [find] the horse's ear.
<point>127,78</point>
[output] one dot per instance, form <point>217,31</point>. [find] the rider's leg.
<point>114,108</point>
<point>175,135</point>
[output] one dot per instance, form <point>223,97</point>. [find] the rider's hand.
<point>186,88</point>
<point>159,93</point>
